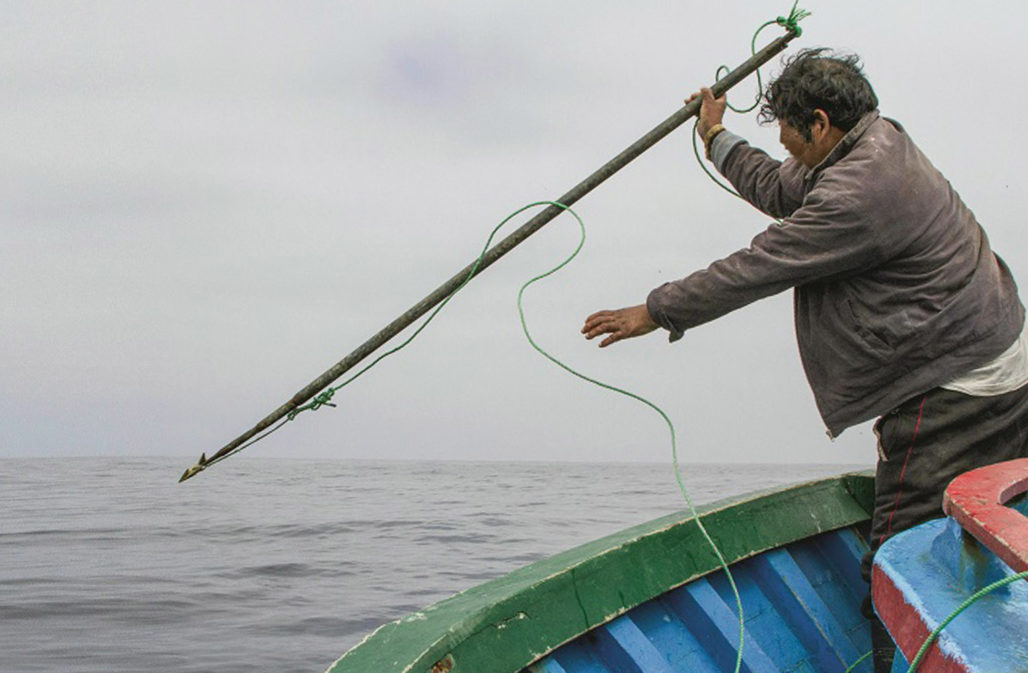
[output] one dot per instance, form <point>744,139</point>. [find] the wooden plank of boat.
<point>506,624</point>
<point>923,575</point>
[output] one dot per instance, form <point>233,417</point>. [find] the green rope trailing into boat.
<point>670,425</point>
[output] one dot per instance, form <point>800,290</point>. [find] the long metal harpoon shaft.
<point>499,250</point>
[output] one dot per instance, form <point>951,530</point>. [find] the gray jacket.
<point>896,288</point>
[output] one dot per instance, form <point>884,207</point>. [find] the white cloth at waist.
<point>1006,373</point>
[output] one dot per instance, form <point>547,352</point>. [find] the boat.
<point>654,598</point>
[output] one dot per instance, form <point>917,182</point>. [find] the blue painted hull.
<point>802,613</point>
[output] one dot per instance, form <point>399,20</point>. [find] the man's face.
<point>800,148</point>
<point>823,138</point>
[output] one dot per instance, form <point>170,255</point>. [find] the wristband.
<point>710,135</point>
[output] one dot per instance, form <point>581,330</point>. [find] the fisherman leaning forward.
<point>902,309</point>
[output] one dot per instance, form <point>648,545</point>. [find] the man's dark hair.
<point>814,80</point>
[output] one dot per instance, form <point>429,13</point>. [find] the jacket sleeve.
<point>828,236</point>
<point>773,187</point>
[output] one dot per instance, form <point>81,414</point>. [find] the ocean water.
<point>109,565</point>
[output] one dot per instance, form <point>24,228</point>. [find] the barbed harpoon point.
<point>199,467</point>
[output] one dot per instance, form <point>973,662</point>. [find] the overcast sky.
<point>204,205</point>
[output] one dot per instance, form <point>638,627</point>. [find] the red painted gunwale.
<point>977,500</point>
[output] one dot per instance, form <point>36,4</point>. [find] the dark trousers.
<point>923,445</point>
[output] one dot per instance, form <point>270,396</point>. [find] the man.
<point>902,310</point>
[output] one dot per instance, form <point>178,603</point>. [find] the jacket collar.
<point>845,144</point>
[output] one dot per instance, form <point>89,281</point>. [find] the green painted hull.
<point>505,624</point>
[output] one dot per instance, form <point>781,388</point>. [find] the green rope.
<point>723,70</point>
<point>963,606</point>
<point>790,23</point>
<point>671,427</point>
<point>324,398</point>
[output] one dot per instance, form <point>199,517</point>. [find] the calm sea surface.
<point>109,565</point>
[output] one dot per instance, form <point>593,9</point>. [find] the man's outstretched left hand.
<point>623,323</point>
